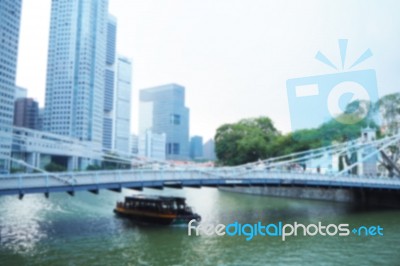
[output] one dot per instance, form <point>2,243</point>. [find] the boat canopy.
<point>151,198</point>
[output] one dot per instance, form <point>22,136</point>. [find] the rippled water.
<point>82,230</point>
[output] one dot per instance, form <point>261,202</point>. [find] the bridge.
<point>138,179</point>
<point>316,168</point>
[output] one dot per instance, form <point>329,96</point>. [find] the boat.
<point>156,210</point>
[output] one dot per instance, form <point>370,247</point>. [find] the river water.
<point>83,230</point>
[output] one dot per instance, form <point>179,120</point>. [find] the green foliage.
<point>53,167</point>
<point>245,141</point>
<point>14,170</point>
<point>297,141</point>
<point>93,167</point>
<point>389,108</point>
<point>252,139</point>
<point>337,131</point>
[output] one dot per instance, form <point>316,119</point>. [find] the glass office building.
<point>122,117</point>
<point>75,69</point>
<point>109,84</point>
<point>10,17</point>
<point>196,147</point>
<point>162,110</point>
<point>26,113</point>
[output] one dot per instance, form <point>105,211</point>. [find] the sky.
<point>232,56</point>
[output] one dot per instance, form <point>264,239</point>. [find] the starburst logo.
<point>317,99</point>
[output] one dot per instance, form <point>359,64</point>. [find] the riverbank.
<point>385,198</point>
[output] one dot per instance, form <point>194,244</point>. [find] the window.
<point>173,148</point>
<point>175,119</point>
<point>168,148</point>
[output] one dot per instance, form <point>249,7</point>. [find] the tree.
<point>93,167</point>
<point>389,108</point>
<point>300,140</point>
<point>53,167</point>
<point>252,139</point>
<point>245,141</point>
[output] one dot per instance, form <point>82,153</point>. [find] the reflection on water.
<point>20,223</point>
<point>83,230</point>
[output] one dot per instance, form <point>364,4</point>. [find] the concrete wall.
<point>375,197</point>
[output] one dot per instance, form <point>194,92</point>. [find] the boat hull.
<point>155,218</point>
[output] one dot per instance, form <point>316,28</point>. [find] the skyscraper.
<point>209,150</point>
<point>20,92</point>
<point>10,17</point>
<point>76,69</point>
<point>26,113</point>
<point>134,145</point>
<point>162,110</point>
<point>196,147</point>
<point>109,84</point>
<point>123,104</point>
<point>40,119</point>
<point>152,145</point>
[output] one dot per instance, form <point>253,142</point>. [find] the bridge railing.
<point>30,181</point>
<point>72,179</point>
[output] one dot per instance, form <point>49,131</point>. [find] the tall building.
<point>109,84</point>
<point>76,69</point>
<point>117,95</point>
<point>26,113</point>
<point>122,117</point>
<point>209,150</point>
<point>162,110</point>
<point>10,17</point>
<point>152,145</point>
<point>20,92</point>
<point>196,147</point>
<point>40,119</point>
<point>134,144</point>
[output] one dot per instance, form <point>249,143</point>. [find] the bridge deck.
<point>95,180</point>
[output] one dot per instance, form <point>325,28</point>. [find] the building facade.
<point>152,145</point>
<point>134,145</point>
<point>162,110</point>
<point>40,119</point>
<point>10,17</point>
<point>196,147</point>
<point>122,112</point>
<point>74,103</point>
<point>26,113</point>
<point>209,150</point>
<point>20,92</point>
<point>117,95</point>
<point>109,84</point>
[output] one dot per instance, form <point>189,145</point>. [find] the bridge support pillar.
<point>83,163</point>
<point>73,163</point>
<point>33,159</point>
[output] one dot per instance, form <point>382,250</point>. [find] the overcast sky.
<point>233,56</point>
